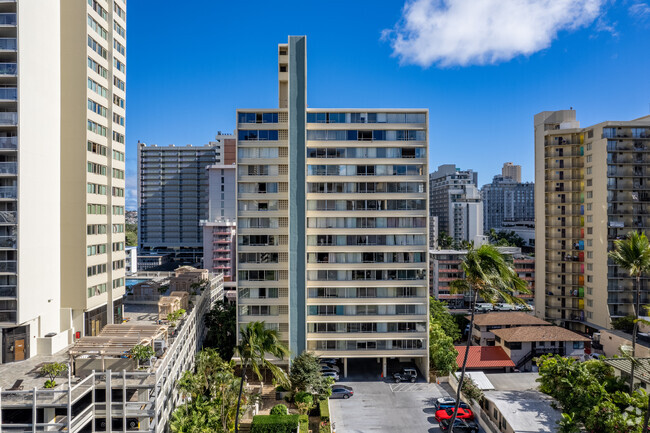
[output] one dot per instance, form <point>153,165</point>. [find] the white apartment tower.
<point>333,224</point>
<point>93,77</point>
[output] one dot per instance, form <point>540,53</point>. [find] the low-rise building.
<point>622,368</point>
<point>520,411</point>
<point>131,260</point>
<point>147,262</point>
<point>523,343</point>
<point>488,359</point>
<point>484,324</point>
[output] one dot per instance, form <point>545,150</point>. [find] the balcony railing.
<point>9,142</point>
<point>8,19</point>
<point>8,118</point>
<point>8,266</point>
<point>8,93</point>
<point>8,44</point>
<point>7,217</point>
<point>10,69</point>
<point>8,168</point>
<point>8,242</point>
<point>8,192</point>
<point>8,291</point>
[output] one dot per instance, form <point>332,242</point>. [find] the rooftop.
<point>484,357</point>
<point>623,365</point>
<point>538,333</point>
<point>514,381</point>
<point>517,318</point>
<point>526,411</point>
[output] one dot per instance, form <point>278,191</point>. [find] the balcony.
<point>8,192</point>
<point>8,167</point>
<point>8,266</point>
<point>8,118</point>
<point>8,44</point>
<point>7,217</point>
<point>8,19</point>
<point>9,143</point>
<point>8,291</point>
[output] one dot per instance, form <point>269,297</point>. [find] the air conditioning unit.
<point>159,347</point>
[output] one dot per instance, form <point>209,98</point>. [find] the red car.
<point>448,412</point>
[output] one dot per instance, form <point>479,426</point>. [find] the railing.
<point>7,217</point>
<point>8,192</point>
<point>8,242</point>
<point>8,19</point>
<point>8,118</point>
<point>8,93</point>
<point>8,168</point>
<point>8,266</point>
<point>8,44</point>
<point>8,69</point>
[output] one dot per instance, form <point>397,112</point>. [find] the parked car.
<point>448,412</point>
<point>328,361</point>
<point>330,367</point>
<point>460,425</point>
<point>504,307</point>
<point>523,307</point>
<point>446,402</point>
<point>407,374</point>
<point>333,374</point>
<point>341,391</point>
<point>484,307</point>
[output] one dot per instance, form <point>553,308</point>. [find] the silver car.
<point>333,374</point>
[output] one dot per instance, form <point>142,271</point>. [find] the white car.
<point>332,374</point>
<point>325,367</point>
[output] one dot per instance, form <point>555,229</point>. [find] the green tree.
<point>445,241</point>
<point>131,233</point>
<point>490,275</point>
<point>221,322</point>
<point>305,375</point>
<point>633,255</point>
<point>441,350</point>
<point>625,323</point>
<point>441,315</point>
<point>505,238</point>
<point>255,342</point>
<point>52,370</point>
<point>141,352</point>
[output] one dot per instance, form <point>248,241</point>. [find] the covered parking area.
<point>373,368</point>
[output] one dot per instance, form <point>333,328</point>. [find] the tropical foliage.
<point>211,393</point>
<point>442,353</point>
<point>590,396</point>
<point>141,352</point>
<point>439,314</point>
<point>305,375</point>
<point>506,238</point>
<point>221,323</point>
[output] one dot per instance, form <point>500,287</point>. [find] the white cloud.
<point>464,32</point>
<point>639,10</point>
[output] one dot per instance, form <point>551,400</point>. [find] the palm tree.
<point>633,255</point>
<point>255,342</point>
<point>491,276</point>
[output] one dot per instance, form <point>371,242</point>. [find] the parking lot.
<point>383,407</point>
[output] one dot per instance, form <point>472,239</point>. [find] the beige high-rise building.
<point>592,186</point>
<point>512,171</point>
<point>333,225</point>
<point>93,77</point>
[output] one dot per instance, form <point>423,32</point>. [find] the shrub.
<point>304,423</point>
<point>279,409</point>
<point>303,397</point>
<point>52,370</point>
<point>324,408</point>
<point>471,390</point>
<point>274,423</point>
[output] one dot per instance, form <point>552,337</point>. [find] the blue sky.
<point>482,67</point>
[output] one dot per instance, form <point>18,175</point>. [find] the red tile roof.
<point>484,357</point>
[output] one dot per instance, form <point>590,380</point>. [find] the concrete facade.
<point>512,171</point>
<point>507,200</point>
<point>591,189</point>
<point>332,223</point>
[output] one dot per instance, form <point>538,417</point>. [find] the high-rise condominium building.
<point>219,240</point>
<point>332,224</point>
<point>30,148</point>
<point>512,171</point>
<point>507,200</point>
<point>456,200</point>
<point>592,187</point>
<point>93,76</point>
<point>173,198</point>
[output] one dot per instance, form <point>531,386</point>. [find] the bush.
<point>279,409</point>
<point>303,397</point>
<point>324,408</point>
<point>304,423</point>
<point>274,423</point>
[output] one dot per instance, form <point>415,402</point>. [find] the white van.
<point>484,307</point>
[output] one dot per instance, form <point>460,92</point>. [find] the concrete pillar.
<point>383,369</point>
<point>49,417</point>
<point>345,367</point>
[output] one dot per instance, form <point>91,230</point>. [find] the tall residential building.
<point>507,200</point>
<point>173,198</point>
<point>93,76</point>
<point>455,199</point>
<point>592,187</point>
<point>30,148</point>
<point>332,224</point>
<point>512,171</point>
<point>219,240</point>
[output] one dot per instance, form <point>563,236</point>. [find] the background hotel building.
<point>333,224</point>
<point>93,76</point>
<point>592,186</point>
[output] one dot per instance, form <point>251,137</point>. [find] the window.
<point>98,8</point>
<point>119,47</point>
<point>119,83</point>
<point>94,188</point>
<point>118,228</point>
<point>119,29</point>
<point>118,264</point>
<point>97,148</point>
<point>119,282</point>
<point>118,119</point>
<point>96,229</point>
<point>96,108</point>
<point>119,11</point>
<point>94,250</point>
<point>97,128</point>
<point>118,137</point>
<point>118,101</point>
<point>515,345</point>
<point>118,246</point>
<point>255,135</point>
<point>96,290</point>
<point>97,68</point>
<point>118,156</point>
<point>119,65</point>
<point>96,270</point>
<point>97,88</point>
<point>96,168</point>
<point>578,345</point>
<point>118,174</point>
<point>118,210</point>
<point>96,209</point>
<point>101,31</point>
<point>97,47</point>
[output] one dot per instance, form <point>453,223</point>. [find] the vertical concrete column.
<point>383,370</point>
<point>345,367</point>
<point>49,417</point>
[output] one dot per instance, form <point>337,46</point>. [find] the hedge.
<point>324,410</point>
<point>304,423</point>
<point>274,423</point>
<point>279,409</point>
